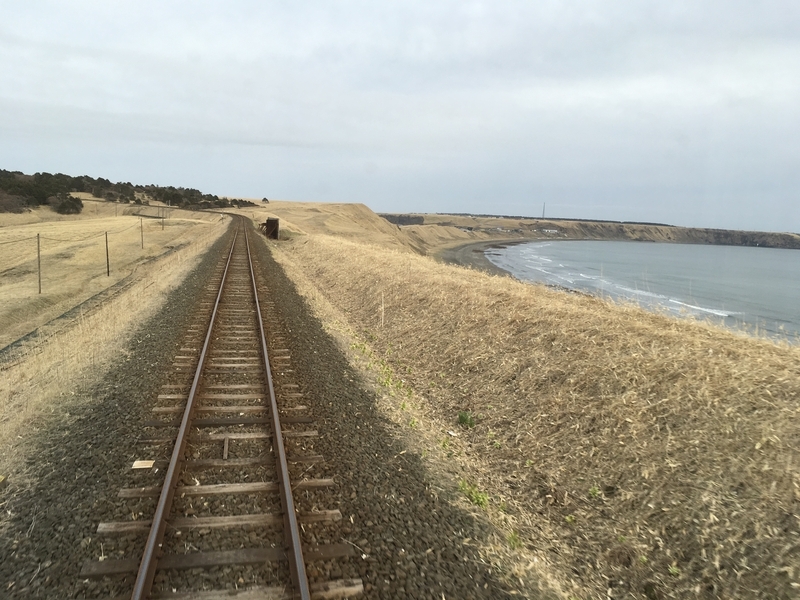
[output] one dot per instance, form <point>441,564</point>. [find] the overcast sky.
<point>684,112</point>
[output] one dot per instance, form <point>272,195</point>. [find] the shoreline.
<point>471,255</point>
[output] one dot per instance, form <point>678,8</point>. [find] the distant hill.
<point>505,227</point>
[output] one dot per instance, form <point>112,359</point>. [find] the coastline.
<point>471,255</point>
<point>530,227</point>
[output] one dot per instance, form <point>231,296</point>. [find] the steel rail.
<point>155,539</point>
<point>291,529</point>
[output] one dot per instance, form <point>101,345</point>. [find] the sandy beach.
<point>472,255</point>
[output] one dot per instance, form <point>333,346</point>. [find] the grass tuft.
<point>473,494</point>
<point>465,419</point>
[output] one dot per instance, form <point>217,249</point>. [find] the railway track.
<point>225,501</point>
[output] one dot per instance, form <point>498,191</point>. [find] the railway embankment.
<point>614,451</point>
<point>409,539</point>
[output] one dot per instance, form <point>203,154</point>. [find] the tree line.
<point>19,191</point>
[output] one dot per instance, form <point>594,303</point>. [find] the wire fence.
<point>33,237</point>
<point>90,237</point>
<point>77,239</point>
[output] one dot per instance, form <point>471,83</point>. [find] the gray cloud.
<point>682,112</point>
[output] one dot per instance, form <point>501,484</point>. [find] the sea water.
<point>757,289</point>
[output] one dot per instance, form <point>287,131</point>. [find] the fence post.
<point>141,228</point>
<point>39,261</point>
<point>108,263</point>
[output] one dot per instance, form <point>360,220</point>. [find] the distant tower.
<point>543,205</point>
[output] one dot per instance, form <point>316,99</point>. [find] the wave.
<point>713,311</point>
<point>644,293</point>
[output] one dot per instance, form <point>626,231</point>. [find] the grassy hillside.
<point>349,221</point>
<point>616,449</point>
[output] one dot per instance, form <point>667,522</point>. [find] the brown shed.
<point>270,228</point>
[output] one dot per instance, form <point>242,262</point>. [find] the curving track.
<point>212,512</point>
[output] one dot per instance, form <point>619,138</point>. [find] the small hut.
<point>270,228</point>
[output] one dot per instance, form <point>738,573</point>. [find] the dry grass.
<point>74,256</point>
<point>619,449</point>
<point>43,377</point>
<point>349,221</point>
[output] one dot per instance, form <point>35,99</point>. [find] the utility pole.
<point>39,261</point>
<point>141,229</point>
<point>108,262</point>
<point>543,205</point>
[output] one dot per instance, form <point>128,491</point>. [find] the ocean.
<point>750,288</point>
